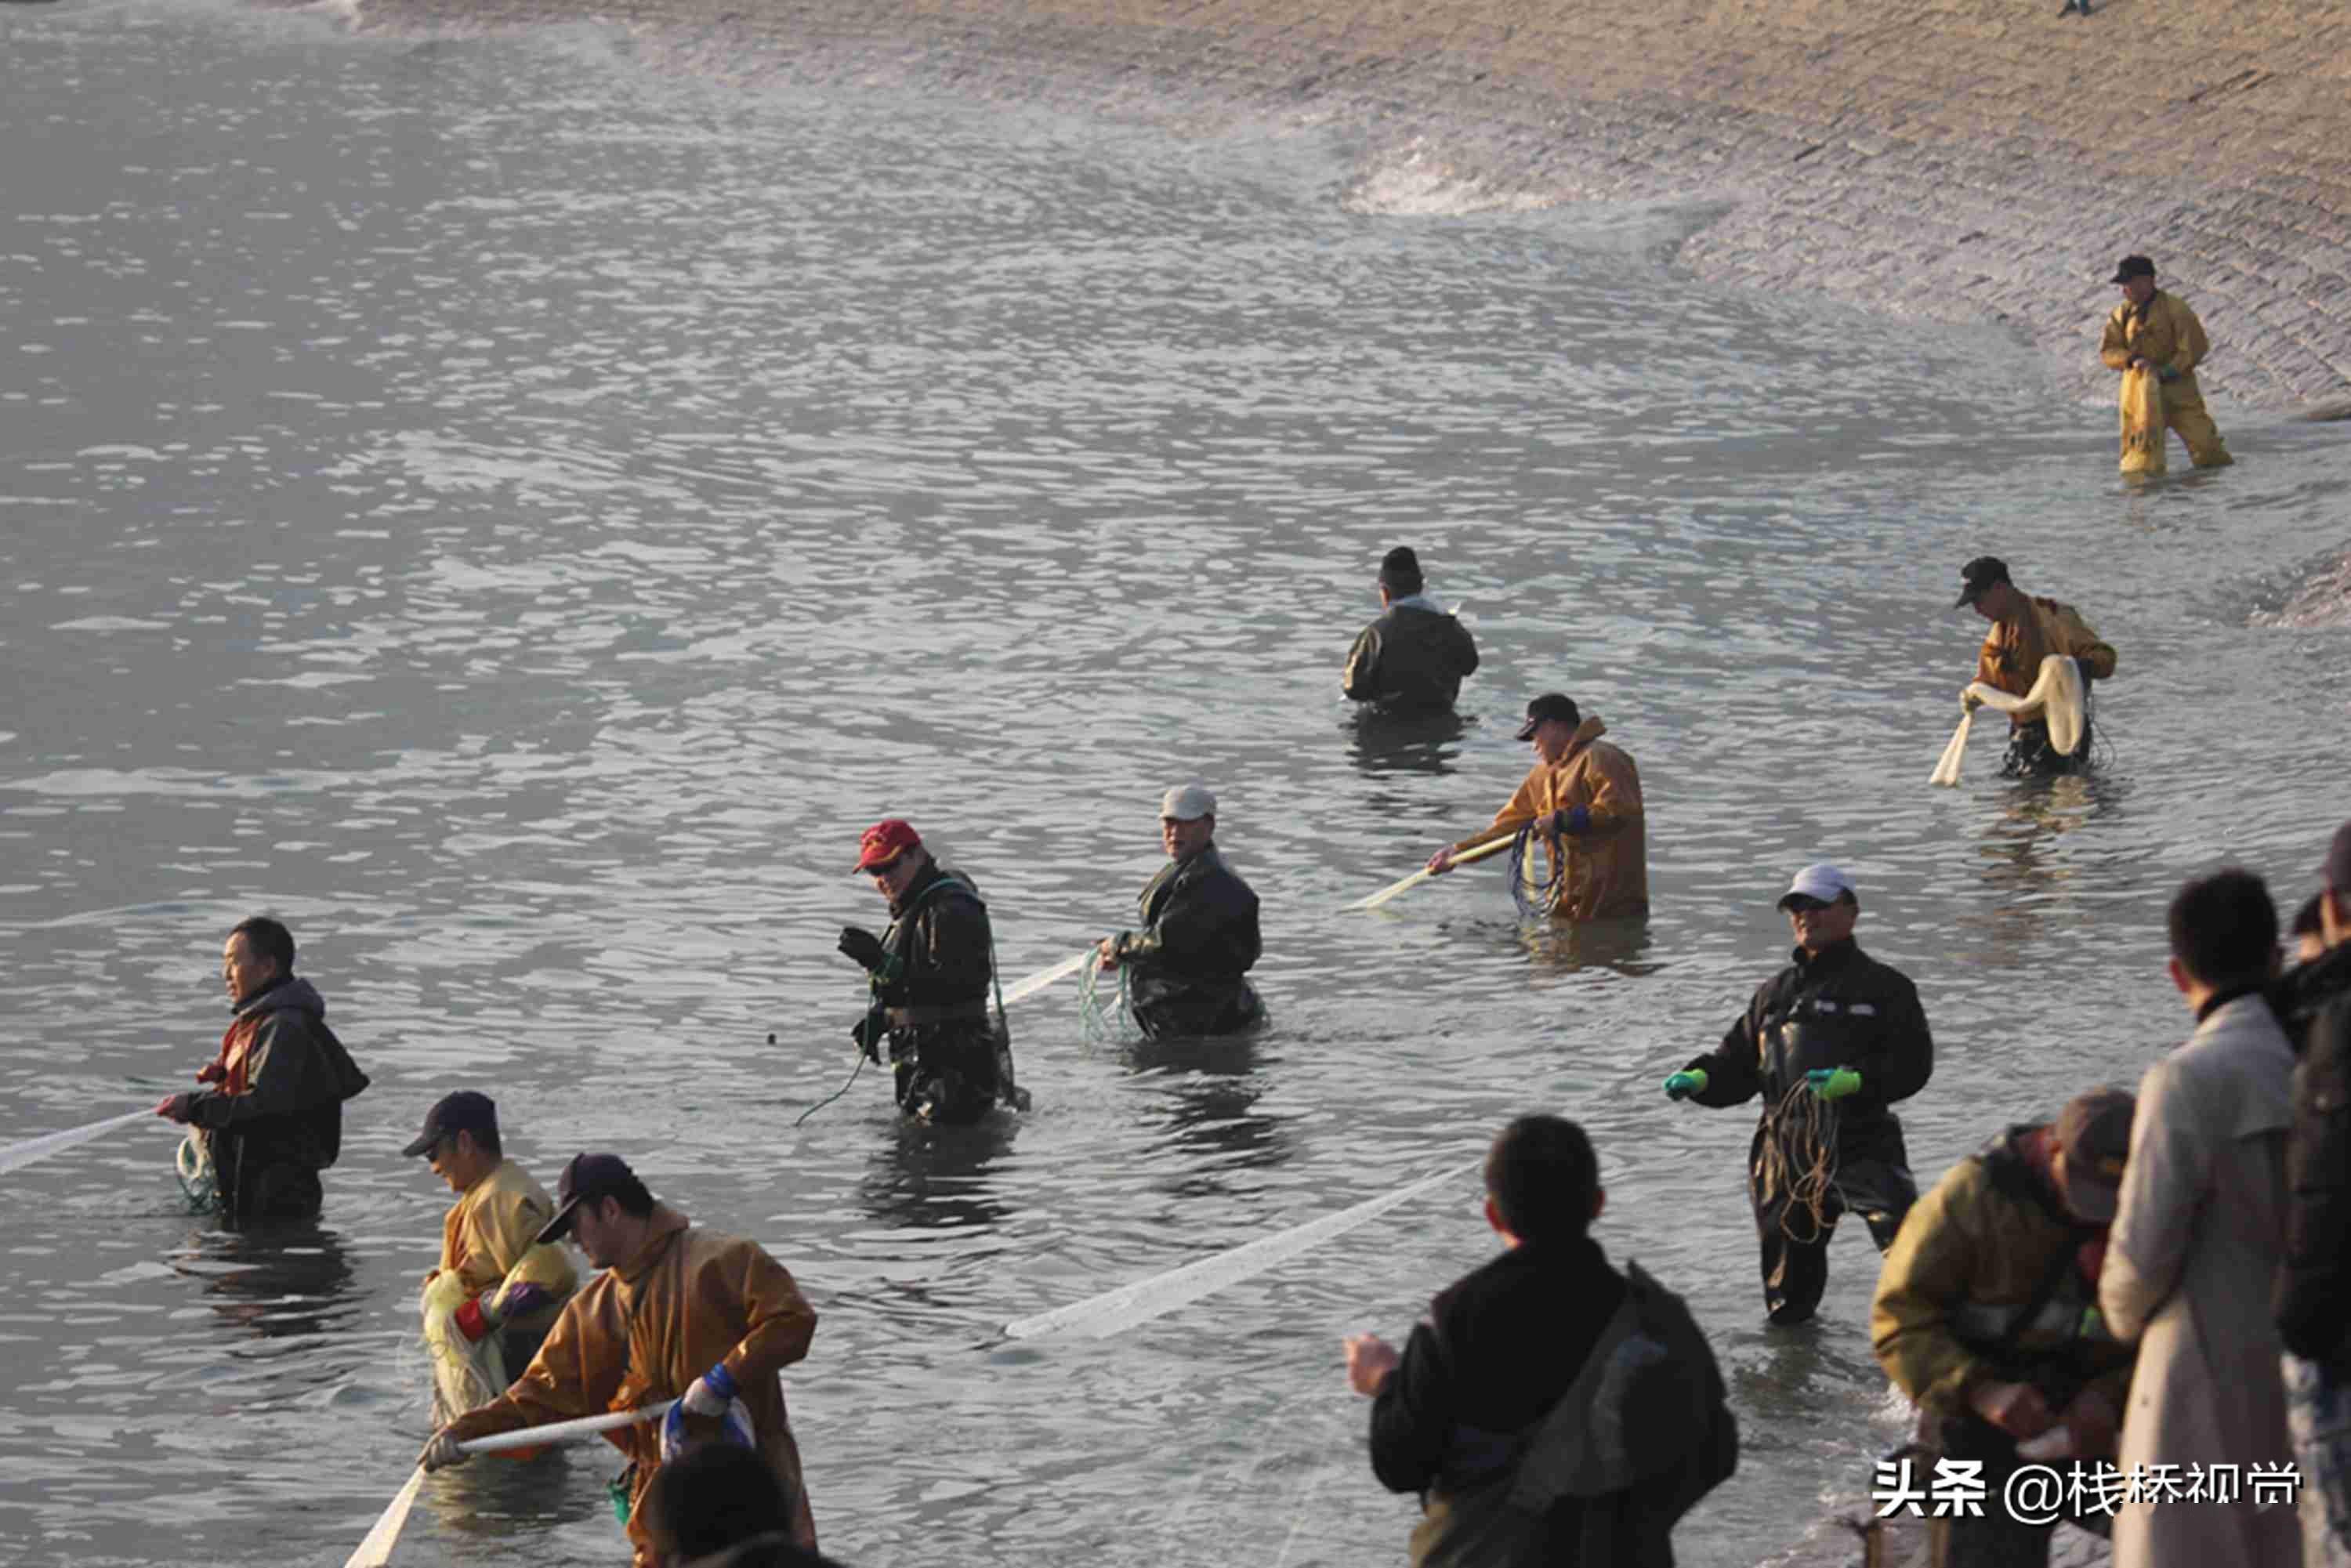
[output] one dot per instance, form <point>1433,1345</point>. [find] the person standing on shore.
<point>1982,1317</point>
<point>2199,1234</point>
<point>1583,796</point>
<point>2024,631</point>
<point>2154,331</point>
<point>1830,1042</point>
<point>1414,658</point>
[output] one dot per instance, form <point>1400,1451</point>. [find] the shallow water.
<point>519,518</point>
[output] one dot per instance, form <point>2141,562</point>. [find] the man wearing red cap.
<point>928,976</point>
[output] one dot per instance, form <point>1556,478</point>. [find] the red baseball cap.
<point>885,842</point>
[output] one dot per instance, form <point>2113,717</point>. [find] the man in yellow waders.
<point>2155,331</point>
<point>1583,798</point>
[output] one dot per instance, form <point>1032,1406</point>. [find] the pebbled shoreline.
<point>1953,162</point>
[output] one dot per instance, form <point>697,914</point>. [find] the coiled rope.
<point>1799,1158</point>
<point>1535,897</point>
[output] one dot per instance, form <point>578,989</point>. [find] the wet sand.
<point>1960,163</point>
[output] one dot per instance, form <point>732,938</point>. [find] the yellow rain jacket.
<point>2012,654</point>
<point>2166,333</point>
<point>1608,868</point>
<point>486,1241</point>
<point>645,1329</point>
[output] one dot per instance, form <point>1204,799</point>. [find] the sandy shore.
<point>1985,161</point>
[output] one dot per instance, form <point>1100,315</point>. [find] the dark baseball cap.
<point>2132,266</point>
<point>589,1178</point>
<point>1549,705</point>
<point>2334,871</point>
<point>2093,1133</point>
<point>1978,577</point>
<point>462,1110</point>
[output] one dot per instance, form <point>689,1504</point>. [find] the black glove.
<point>862,947</point>
<point>868,1032</point>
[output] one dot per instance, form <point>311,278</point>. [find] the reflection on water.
<point>939,1178</point>
<point>520,519</point>
<point>1384,743</point>
<point>275,1281</point>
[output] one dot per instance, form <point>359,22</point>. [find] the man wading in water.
<point>2024,631</point>
<point>1583,796</point>
<point>1190,964</point>
<point>929,976</point>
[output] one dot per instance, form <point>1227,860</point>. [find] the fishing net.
<point>2057,697</point>
<point>197,1178</point>
<point>1799,1158</point>
<point>466,1374</point>
<point>1536,893</point>
<point>1105,1018</point>
<point>2143,431</point>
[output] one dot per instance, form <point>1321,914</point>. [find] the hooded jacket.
<point>1988,1283</point>
<point>1415,657</point>
<point>645,1329</point>
<point>2010,657</point>
<point>2165,332</point>
<point>286,1077</point>
<point>1606,867</point>
<point>490,1235</point>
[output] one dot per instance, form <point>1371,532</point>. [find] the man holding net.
<point>1830,1042</point>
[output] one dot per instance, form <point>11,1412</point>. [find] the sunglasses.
<point>1802,905</point>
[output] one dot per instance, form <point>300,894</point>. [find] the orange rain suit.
<point>1608,868</point>
<point>2166,334</point>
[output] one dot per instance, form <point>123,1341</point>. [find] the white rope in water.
<point>16,1156</point>
<point>1098,1317</point>
<point>1044,977</point>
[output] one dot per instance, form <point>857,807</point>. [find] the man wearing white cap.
<point>1187,966</point>
<point>1830,1042</point>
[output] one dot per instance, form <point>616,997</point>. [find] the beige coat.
<point>1607,869</point>
<point>2195,1245</point>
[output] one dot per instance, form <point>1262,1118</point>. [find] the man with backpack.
<point>1984,1317</point>
<point>1548,1409</point>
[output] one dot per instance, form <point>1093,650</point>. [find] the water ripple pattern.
<point>518,519</point>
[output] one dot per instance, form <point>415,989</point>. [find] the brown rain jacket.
<point>1975,1253</point>
<point>643,1330</point>
<point>1608,868</point>
<point>2165,333</point>
<point>487,1239</point>
<point>2010,657</point>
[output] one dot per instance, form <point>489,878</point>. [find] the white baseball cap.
<point>1821,881</point>
<point>1188,802</point>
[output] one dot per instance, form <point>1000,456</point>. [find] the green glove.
<point>1684,1085</point>
<point>1833,1083</point>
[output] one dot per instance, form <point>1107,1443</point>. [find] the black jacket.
<point>296,1077</point>
<point>1413,656</point>
<point>1200,938</point>
<point>939,960</point>
<point>1497,1350</point>
<point>2313,1290</point>
<point>1842,1008</point>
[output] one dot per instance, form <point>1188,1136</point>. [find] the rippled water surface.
<point>520,518</point>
